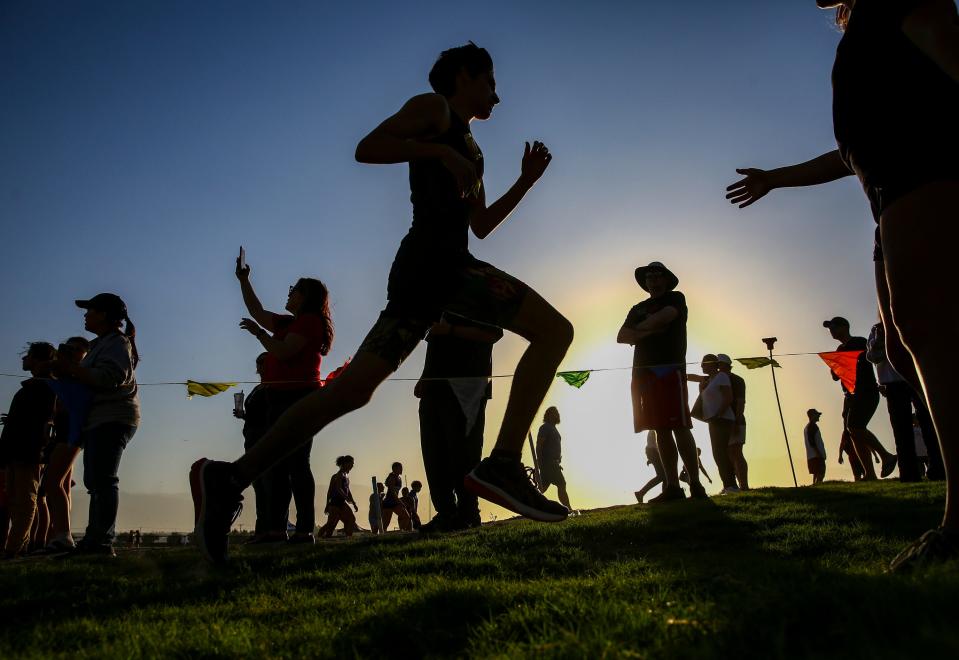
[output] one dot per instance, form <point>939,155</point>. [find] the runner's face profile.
<point>481,91</point>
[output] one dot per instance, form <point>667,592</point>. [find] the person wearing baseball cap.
<point>108,369</point>
<point>815,449</point>
<point>859,406</point>
<point>656,328</point>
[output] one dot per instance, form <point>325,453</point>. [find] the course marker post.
<point>770,342</point>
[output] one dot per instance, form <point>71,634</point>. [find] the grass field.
<point>772,573</point>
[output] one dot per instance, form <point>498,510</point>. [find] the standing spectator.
<point>392,504</point>
<point>415,488</point>
<point>715,407</point>
<point>109,370</point>
<point>376,499</point>
<point>58,477</point>
<point>653,459</point>
<point>338,500</point>
<point>453,392</point>
<point>549,451</point>
<point>815,449</point>
<point>27,429</point>
<point>291,371</point>
<point>255,415</point>
<point>737,440</point>
<point>859,406</point>
<point>656,328</point>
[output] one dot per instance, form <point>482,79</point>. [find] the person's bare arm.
<point>252,302</point>
<point>756,182</point>
<point>651,325</point>
<point>484,219</point>
<point>281,349</point>
<point>934,29</point>
<point>404,136</point>
<point>695,378</point>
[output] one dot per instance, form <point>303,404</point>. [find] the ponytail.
<point>131,334</point>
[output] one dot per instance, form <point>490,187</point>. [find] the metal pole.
<point>769,344</point>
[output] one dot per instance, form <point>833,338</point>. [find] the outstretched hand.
<point>535,161</point>
<point>251,326</point>
<point>751,188</point>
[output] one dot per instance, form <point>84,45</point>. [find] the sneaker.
<point>936,545</point>
<point>301,539</point>
<point>216,505</point>
<point>698,492</point>
<point>504,481</point>
<point>82,549</point>
<point>888,465</point>
<point>730,490</point>
<point>669,494</point>
<point>470,519</point>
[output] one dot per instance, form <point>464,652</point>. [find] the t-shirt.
<point>739,394</point>
<point>894,109</point>
<point>393,485</point>
<point>302,370</point>
<point>28,423</point>
<point>814,444</point>
<point>437,242</point>
<point>449,356</point>
<point>549,444</point>
<point>865,376</point>
<point>339,490</point>
<point>668,346</point>
<point>713,399</point>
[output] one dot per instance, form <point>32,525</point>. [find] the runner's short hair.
<point>474,59</point>
<point>397,464</point>
<point>343,460</point>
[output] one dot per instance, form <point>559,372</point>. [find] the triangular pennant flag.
<point>575,378</point>
<point>470,393</point>
<point>206,389</point>
<point>843,365</point>
<point>758,362</point>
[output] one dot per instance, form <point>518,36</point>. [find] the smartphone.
<point>242,258</point>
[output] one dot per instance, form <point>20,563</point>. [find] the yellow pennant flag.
<point>206,389</point>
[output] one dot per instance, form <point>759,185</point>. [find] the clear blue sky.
<point>142,143</point>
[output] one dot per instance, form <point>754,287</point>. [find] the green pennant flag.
<point>575,378</point>
<point>758,362</point>
<point>206,389</point>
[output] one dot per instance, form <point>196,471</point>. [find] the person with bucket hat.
<point>656,328</point>
<point>108,369</point>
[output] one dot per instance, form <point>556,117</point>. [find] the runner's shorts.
<point>816,465</point>
<point>858,408</point>
<point>660,400</point>
<point>482,293</point>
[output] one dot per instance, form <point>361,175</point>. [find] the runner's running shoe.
<point>935,546</point>
<point>669,494</point>
<point>217,503</point>
<point>888,465</point>
<point>504,481</point>
<point>697,492</point>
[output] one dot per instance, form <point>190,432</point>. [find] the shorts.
<point>551,473</point>
<point>738,436</point>
<point>482,293</point>
<point>858,409</point>
<point>816,465</point>
<point>660,399</point>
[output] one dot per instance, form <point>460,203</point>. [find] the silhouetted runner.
<point>653,460</point>
<point>895,103</point>
<point>656,328</point>
<point>433,271</point>
<point>338,501</point>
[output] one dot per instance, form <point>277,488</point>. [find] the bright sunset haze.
<point>144,143</point>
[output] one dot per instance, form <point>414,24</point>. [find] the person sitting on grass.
<point>433,272</point>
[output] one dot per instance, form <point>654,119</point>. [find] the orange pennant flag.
<point>843,364</point>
